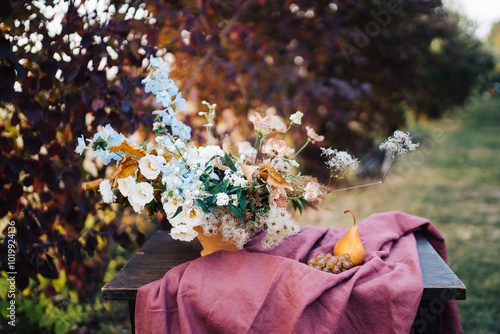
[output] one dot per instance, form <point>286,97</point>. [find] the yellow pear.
<point>351,244</point>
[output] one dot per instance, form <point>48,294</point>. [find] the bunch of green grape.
<point>331,263</point>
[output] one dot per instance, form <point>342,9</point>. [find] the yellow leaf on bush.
<point>128,148</point>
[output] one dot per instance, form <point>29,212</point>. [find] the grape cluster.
<point>331,263</point>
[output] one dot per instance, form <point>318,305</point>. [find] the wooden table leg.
<point>428,319</point>
<point>131,311</point>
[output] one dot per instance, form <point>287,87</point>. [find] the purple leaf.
<point>33,111</point>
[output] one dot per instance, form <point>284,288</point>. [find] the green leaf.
<point>237,211</point>
<point>232,190</point>
<point>201,204</point>
<point>298,205</point>
<point>220,188</point>
<point>144,145</point>
<point>243,202</point>
<point>209,161</point>
<point>179,210</point>
<point>229,162</point>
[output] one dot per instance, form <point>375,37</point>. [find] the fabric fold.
<point>257,290</point>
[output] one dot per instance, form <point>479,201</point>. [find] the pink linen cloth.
<point>273,291</point>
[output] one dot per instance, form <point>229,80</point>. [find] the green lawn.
<point>454,181</point>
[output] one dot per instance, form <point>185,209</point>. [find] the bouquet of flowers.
<point>236,189</point>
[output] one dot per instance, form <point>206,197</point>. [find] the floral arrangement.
<point>237,189</point>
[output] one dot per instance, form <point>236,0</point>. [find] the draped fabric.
<point>257,290</point>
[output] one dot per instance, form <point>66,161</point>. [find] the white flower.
<point>339,160</point>
<point>126,185</point>
<point>234,199</point>
<point>193,215</point>
<point>222,199</point>
<point>297,117</point>
<point>311,192</point>
<point>155,62</point>
<point>183,232</point>
<point>150,165</point>
<point>170,207</point>
<point>157,125</point>
<point>399,144</point>
<point>236,179</point>
<point>208,152</point>
<point>202,155</point>
<point>81,145</point>
<point>246,149</point>
<point>282,165</point>
<point>141,194</point>
<point>106,190</point>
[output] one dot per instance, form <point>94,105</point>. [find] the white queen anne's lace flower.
<point>399,144</point>
<point>339,160</point>
<point>222,199</point>
<point>150,166</point>
<point>106,190</point>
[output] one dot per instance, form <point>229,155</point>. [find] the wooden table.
<point>161,253</point>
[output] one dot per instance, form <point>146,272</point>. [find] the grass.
<point>454,181</point>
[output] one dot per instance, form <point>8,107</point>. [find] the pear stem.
<point>353,216</point>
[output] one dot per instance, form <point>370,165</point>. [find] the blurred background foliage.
<point>358,69</point>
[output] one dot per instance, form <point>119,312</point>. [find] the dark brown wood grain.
<point>440,282</point>
<point>158,255</point>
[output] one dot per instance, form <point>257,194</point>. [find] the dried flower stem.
<point>391,163</point>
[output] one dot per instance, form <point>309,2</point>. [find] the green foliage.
<point>57,313</point>
<point>451,68</point>
<point>494,37</point>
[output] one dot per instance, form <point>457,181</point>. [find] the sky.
<point>484,12</point>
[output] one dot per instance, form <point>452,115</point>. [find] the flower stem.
<point>303,147</point>
<point>391,163</point>
<point>284,134</point>
<point>258,144</point>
